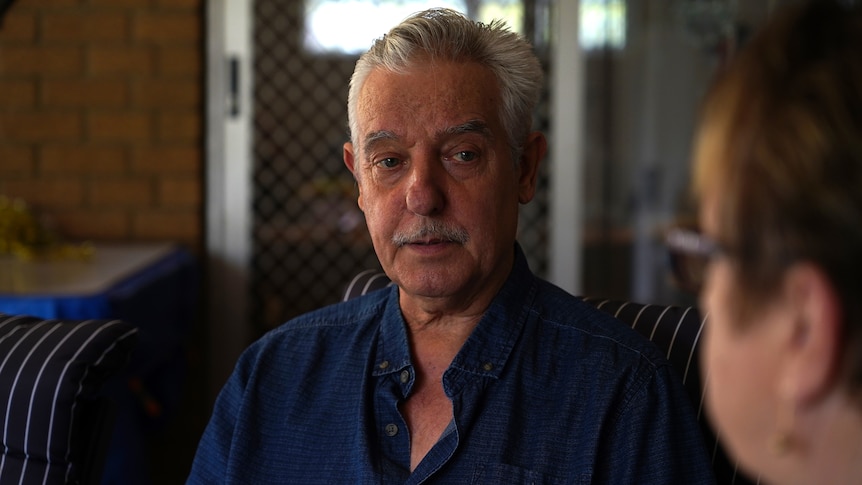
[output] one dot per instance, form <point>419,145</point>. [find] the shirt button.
<point>405,376</point>
<point>391,429</point>
<point>488,366</point>
<point>384,364</point>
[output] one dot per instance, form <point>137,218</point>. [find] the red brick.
<point>178,61</point>
<point>170,159</point>
<point>179,4</point>
<point>176,225</point>
<point>122,126</point>
<point>120,60</point>
<point>84,93</point>
<point>16,159</point>
<point>27,60</point>
<point>102,224</point>
<point>18,26</point>
<point>47,193</point>
<point>17,94</point>
<point>84,27</point>
<point>46,3</point>
<point>180,192</point>
<point>120,192</point>
<point>167,94</point>
<point>120,3</point>
<point>167,28</point>
<point>82,159</point>
<point>39,126</point>
<point>180,127</point>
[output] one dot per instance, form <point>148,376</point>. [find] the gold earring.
<point>782,440</point>
<point>781,443</point>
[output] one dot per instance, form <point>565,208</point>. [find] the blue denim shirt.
<point>546,390</point>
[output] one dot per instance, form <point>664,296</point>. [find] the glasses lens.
<point>688,270</point>
<point>690,253</point>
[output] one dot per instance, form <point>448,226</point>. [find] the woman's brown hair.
<point>779,150</point>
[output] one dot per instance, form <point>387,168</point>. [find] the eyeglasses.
<point>690,253</point>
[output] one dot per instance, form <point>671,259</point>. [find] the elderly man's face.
<point>437,183</point>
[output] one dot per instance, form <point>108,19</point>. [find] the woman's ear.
<point>532,155</point>
<point>814,344</point>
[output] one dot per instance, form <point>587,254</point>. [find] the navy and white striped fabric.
<point>51,373</point>
<point>675,330</point>
<point>366,282</point>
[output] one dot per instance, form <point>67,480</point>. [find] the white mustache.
<point>431,231</point>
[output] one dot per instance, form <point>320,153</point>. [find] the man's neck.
<point>428,411</point>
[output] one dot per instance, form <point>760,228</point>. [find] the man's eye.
<point>389,162</point>
<point>466,156</point>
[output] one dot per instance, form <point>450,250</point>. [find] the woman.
<point>778,178</point>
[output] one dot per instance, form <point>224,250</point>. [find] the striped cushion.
<point>51,374</point>
<point>675,330</point>
<point>366,282</point>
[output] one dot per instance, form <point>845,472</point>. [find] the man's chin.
<point>428,283</point>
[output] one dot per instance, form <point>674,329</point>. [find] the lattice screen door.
<point>309,238</point>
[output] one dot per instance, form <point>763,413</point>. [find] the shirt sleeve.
<point>656,438</point>
<point>212,458</point>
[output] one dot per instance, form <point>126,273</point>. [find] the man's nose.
<point>425,192</point>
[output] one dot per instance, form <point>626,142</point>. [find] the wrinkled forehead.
<point>431,97</point>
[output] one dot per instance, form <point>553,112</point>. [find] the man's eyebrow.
<point>375,136</point>
<point>472,126</point>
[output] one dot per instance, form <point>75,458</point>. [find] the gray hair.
<point>448,35</point>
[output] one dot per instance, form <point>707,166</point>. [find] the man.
<point>470,370</point>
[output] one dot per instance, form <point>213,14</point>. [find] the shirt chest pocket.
<point>495,474</point>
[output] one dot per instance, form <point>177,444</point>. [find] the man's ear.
<point>534,151</point>
<point>350,162</point>
<point>814,345</point>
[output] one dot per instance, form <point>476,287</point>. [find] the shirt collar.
<point>489,346</point>
<point>393,350</point>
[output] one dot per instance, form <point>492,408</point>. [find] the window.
<point>603,24</point>
<point>349,26</point>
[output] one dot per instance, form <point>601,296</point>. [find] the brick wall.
<point>101,116</point>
